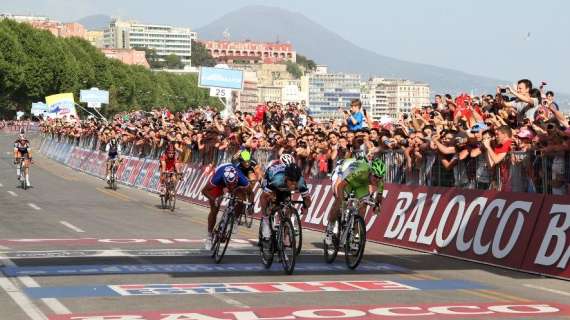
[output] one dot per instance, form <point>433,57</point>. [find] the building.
<point>58,29</point>
<point>95,38</point>
<point>330,91</point>
<point>392,97</point>
<point>269,93</point>
<point>127,56</point>
<point>248,97</point>
<point>248,52</point>
<point>166,40</point>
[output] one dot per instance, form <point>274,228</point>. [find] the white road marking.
<point>12,193</point>
<point>1,185</point>
<point>229,301</point>
<point>33,206</point>
<point>564,293</point>
<point>4,248</point>
<point>70,226</point>
<point>19,297</point>
<point>54,304</point>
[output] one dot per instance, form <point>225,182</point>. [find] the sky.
<point>484,37</point>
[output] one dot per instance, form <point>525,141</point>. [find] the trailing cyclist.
<point>113,150</point>
<point>252,171</point>
<point>168,164</point>
<point>226,177</point>
<point>356,176</point>
<point>280,180</point>
<point>22,151</point>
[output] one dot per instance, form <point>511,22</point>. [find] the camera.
<point>503,90</point>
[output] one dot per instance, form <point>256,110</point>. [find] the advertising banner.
<point>549,249</point>
<point>61,105</point>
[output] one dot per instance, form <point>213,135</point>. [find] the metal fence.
<point>519,171</point>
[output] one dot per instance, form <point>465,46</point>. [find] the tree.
<point>34,64</point>
<point>152,58</point>
<point>294,69</point>
<point>308,64</point>
<point>173,61</point>
<point>200,55</point>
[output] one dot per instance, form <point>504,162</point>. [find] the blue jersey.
<point>218,177</point>
<point>274,180</point>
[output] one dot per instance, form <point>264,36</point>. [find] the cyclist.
<point>226,176</point>
<point>168,164</point>
<point>22,150</point>
<point>251,170</point>
<point>113,150</point>
<point>285,158</point>
<point>358,176</point>
<point>280,180</point>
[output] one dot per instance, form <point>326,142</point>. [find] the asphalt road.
<point>70,246</point>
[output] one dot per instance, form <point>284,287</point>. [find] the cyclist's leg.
<point>265,201</point>
<point>212,193</point>
<point>108,169</point>
<point>361,193</point>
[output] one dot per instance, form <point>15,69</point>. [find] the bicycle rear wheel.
<point>331,251</point>
<point>266,247</point>
<point>222,236</point>
<point>355,242</point>
<point>286,245</point>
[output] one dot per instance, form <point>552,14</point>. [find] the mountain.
<point>326,47</point>
<point>95,22</point>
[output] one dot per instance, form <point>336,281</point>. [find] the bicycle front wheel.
<point>223,237</point>
<point>298,230</point>
<point>286,245</point>
<point>355,242</point>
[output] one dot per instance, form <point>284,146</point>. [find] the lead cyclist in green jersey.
<point>356,176</point>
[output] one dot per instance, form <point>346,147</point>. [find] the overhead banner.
<point>221,78</point>
<point>61,105</point>
<point>39,108</point>
<point>94,96</point>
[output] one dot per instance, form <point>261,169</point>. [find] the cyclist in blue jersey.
<point>226,177</point>
<point>279,181</point>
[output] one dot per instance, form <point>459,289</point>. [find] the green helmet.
<point>244,156</point>
<point>378,168</point>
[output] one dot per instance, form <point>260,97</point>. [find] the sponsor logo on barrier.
<point>549,249</point>
<point>259,287</point>
<point>493,227</point>
<point>368,312</point>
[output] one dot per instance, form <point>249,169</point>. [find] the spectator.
<point>354,119</point>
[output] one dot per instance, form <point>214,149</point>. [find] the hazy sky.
<point>482,37</point>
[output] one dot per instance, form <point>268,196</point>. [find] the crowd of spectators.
<point>485,142</point>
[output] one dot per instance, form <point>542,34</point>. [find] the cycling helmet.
<point>230,175</point>
<point>244,156</point>
<point>292,172</point>
<point>287,159</point>
<point>22,131</point>
<point>378,168</point>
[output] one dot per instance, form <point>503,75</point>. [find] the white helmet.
<point>287,159</point>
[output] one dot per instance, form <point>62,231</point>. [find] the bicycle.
<point>288,205</point>
<point>112,178</point>
<point>223,231</point>
<point>23,181</point>
<point>168,199</point>
<point>281,240</point>
<point>350,234</point>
